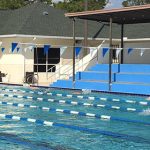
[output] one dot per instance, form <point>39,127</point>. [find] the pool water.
<point>23,135</point>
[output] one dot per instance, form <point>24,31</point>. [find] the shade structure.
<point>127,15</point>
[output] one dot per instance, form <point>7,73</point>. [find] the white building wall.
<point>16,64</point>
<point>11,63</point>
<point>135,57</point>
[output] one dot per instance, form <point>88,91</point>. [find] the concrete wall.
<point>134,57</point>
<point>12,64</point>
<point>16,64</point>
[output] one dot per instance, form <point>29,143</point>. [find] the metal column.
<point>110,53</point>
<point>73,68</point>
<point>122,42</point>
<point>85,26</point>
<point>37,60</point>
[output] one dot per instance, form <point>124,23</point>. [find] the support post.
<point>85,28</point>
<point>47,66</point>
<point>73,68</point>
<point>110,53</point>
<point>122,42</point>
<point>37,60</point>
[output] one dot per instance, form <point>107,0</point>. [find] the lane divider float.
<point>72,112</point>
<point>77,128</point>
<point>144,103</point>
<point>69,102</point>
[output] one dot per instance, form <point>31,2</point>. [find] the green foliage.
<point>78,5</point>
<point>15,4</point>
<point>127,3</point>
<point>11,4</point>
<point>49,2</point>
<point>68,5</point>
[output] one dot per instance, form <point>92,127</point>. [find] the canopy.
<point>127,15</point>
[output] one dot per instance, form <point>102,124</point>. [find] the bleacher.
<point>126,78</point>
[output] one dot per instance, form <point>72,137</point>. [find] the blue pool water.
<point>110,134</point>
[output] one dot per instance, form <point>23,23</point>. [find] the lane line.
<point>144,103</point>
<point>69,102</point>
<point>77,128</point>
<point>72,112</point>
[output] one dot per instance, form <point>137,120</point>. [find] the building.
<point>36,25</point>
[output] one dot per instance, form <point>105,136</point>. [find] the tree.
<point>15,4</point>
<point>68,5</point>
<point>127,3</point>
<point>49,2</point>
<point>11,4</point>
<point>78,5</point>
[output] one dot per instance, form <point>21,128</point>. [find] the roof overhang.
<point>127,15</point>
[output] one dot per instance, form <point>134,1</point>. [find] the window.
<point>115,58</point>
<point>46,62</point>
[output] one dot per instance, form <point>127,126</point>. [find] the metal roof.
<point>127,15</point>
<point>30,20</point>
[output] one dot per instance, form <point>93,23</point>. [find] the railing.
<point>78,69</point>
<point>57,72</point>
<point>79,66</point>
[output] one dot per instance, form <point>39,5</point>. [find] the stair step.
<point>93,76</point>
<point>135,78</point>
<point>133,83</point>
<point>101,86</point>
<point>138,73</point>
<point>131,88</point>
<point>127,78</point>
<point>140,68</point>
<point>99,81</point>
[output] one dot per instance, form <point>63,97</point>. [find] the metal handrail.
<point>60,67</point>
<point>56,70</point>
<point>83,65</point>
<point>71,68</point>
<point>96,57</point>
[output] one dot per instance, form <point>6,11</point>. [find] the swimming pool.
<point>68,120</point>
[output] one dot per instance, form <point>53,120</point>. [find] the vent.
<point>45,13</point>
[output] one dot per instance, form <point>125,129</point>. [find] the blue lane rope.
<point>144,103</point>
<point>71,112</point>
<point>83,129</point>
<point>121,108</point>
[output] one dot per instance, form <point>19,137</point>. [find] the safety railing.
<point>63,72</point>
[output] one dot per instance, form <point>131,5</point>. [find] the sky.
<point>114,4</point>
<point>110,5</point>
